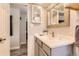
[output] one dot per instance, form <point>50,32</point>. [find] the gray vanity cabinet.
<point>41,49</point>
<point>36,48</point>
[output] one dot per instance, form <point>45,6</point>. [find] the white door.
<point>4,29</point>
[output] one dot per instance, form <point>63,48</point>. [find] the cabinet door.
<point>62,51</point>
<point>36,49</point>
<point>47,49</point>
<point>41,52</point>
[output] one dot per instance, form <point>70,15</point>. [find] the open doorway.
<point>23,30</point>
<point>20,33</point>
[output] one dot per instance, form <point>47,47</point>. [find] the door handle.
<point>2,39</point>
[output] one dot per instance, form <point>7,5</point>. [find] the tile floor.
<point>19,52</point>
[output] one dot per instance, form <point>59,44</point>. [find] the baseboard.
<point>23,42</point>
<point>17,47</point>
<point>14,48</point>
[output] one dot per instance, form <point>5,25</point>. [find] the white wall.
<point>34,28</point>
<point>69,31</point>
<point>23,28</point>
<point>15,39</point>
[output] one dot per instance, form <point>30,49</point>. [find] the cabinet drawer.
<point>47,49</point>
<point>41,52</point>
<point>39,42</point>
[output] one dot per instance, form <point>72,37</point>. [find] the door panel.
<point>4,29</point>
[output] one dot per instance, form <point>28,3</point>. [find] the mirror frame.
<point>66,19</point>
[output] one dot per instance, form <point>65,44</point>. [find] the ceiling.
<point>45,5</point>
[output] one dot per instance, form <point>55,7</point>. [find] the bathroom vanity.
<point>53,46</point>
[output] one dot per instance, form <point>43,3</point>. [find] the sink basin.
<point>49,37</point>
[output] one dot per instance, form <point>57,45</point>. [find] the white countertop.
<point>57,41</point>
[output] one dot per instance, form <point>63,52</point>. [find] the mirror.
<point>58,16</point>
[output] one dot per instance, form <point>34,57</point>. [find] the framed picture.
<point>36,14</point>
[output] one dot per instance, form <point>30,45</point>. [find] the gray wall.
<point>15,39</point>
<point>23,28</point>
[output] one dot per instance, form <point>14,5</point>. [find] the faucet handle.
<point>45,31</point>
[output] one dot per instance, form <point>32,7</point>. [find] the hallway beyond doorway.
<point>19,52</point>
